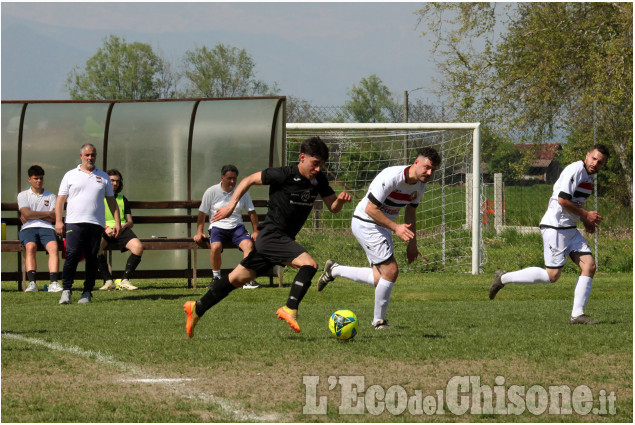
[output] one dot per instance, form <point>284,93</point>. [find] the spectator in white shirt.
<point>37,209</point>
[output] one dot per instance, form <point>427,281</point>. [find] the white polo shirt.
<point>35,202</point>
<point>215,197</point>
<point>86,193</point>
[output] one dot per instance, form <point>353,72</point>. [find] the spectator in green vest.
<point>126,241</point>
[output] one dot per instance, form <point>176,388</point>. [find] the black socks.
<point>300,286</point>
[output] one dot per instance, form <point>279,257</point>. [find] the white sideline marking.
<point>178,386</point>
<point>157,380</point>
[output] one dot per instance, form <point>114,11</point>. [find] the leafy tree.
<point>118,71</point>
<point>223,71</point>
<point>371,102</point>
<point>543,74</point>
<point>508,160</point>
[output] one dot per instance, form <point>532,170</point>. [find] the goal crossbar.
<point>476,162</point>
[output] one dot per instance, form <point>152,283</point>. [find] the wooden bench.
<point>191,273</point>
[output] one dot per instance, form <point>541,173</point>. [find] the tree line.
<point>534,72</point>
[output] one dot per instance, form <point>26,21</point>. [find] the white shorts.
<point>558,243</point>
<point>375,239</point>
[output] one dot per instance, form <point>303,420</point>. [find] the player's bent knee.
<point>590,269</point>
<point>554,274</point>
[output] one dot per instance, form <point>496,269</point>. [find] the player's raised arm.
<point>335,204</point>
<point>241,189</point>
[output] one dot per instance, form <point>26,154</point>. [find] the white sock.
<point>356,274</point>
<point>382,298</point>
<point>216,273</point>
<point>528,275</point>
<point>581,295</point>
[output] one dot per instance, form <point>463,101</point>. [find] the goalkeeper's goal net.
<point>449,215</point>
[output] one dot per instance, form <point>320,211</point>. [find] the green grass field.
<point>126,357</point>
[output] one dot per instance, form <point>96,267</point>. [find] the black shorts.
<point>272,248</point>
<point>122,240</point>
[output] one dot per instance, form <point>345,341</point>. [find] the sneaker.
<point>55,287</point>
<point>212,282</point>
<point>381,324</point>
<point>582,319</point>
<point>251,285</point>
<point>66,297</point>
<point>326,275</point>
<point>192,318</point>
<point>125,284</point>
<point>497,284</point>
<point>31,288</point>
<point>85,299</point>
<point>108,286</point>
<point>289,316</point>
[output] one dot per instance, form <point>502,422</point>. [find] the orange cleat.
<point>192,318</point>
<point>289,316</point>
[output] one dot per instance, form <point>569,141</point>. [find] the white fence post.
<point>498,202</point>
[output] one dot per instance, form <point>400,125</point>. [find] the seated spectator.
<point>126,240</point>
<point>37,209</point>
<point>230,229</point>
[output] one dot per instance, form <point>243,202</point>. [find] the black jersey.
<point>291,197</point>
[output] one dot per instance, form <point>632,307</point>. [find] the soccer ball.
<point>343,324</point>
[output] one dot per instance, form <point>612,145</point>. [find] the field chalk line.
<point>178,386</point>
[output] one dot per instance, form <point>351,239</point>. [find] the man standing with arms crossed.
<point>85,188</point>
<point>292,191</point>
<point>373,224</point>
<point>560,237</point>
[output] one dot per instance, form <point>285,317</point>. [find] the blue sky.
<point>315,51</point>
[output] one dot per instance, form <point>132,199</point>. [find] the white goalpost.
<point>449,215</point>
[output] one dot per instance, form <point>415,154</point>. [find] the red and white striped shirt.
<point>574,184</point>
<point>391,192</point>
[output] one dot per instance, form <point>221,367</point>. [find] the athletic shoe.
<point>381,324</point>
<point>125,284</point>
<point>582,319</point>
<point>108,286</point>
<point>251,285</point>
<point>192,318</point>
<point>66,297</point>
<point>497,284</point>
<point>85,299</point>
<point>55,287</point>
<point>326,275</point>
<point>289,316</point>
<point>31,288</point>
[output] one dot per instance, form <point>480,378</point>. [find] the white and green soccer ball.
<point>343,324</point>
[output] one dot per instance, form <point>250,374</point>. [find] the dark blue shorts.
<point>38,235</point>
<point>235,235</point>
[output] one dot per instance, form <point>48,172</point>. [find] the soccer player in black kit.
<point>292,191</point>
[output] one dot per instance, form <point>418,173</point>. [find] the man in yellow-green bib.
<point>126,240</point>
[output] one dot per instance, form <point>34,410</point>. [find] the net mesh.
<point>357,156</point>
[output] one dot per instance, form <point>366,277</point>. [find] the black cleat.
<point>497,284</point>
<point>382,324</point>
<point>582,319</point>
<point>326,275</point>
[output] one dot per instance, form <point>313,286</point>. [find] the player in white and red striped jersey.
<point>561,237</point>
<point>373,223</point>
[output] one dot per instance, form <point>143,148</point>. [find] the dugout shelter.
<point>167,150</point>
